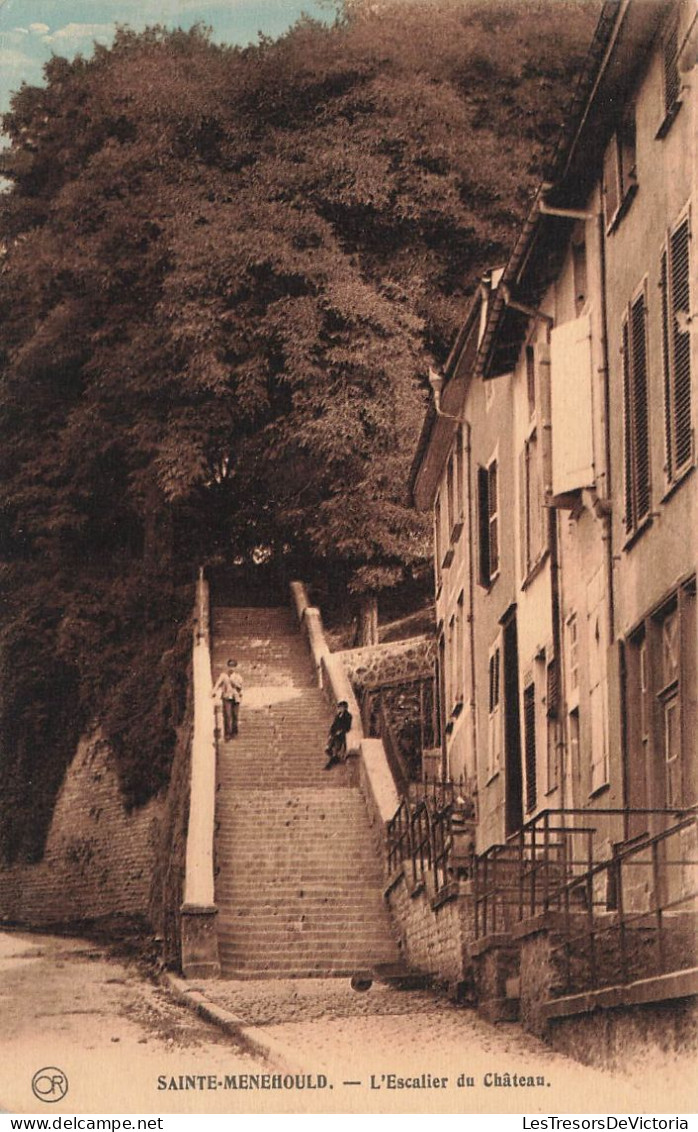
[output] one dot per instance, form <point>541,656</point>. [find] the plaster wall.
<point>648,566</point>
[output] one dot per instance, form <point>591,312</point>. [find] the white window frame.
<point>495,686</point>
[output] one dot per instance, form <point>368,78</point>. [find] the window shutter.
<point>672,80</point>
<point>628,429</point>
<point>666,353</point>
<point>641,454</point>
<point>492,518</point>
<point>523,515</point>
<point>571,400</point>
<point>611,181</point>
<point>529,706</point>
<point>552,688</point>
<point>680,310</point>
<point>484,525</point>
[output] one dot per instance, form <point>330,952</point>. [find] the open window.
<point>488,514</point>
<point>494,715</point>
<point>620,170</point>
<point>671,75</point>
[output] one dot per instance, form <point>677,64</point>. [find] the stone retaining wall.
<point>98,860</point>
<point>434,935</point>
<point>389,663</point>
<point>610,1038</point>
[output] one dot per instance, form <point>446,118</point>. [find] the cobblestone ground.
<point>378,1037</point>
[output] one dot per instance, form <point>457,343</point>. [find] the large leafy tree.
<point>223,271</point>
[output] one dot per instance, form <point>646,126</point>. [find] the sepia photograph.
<point>348,545</point>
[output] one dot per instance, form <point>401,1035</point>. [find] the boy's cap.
<point>342,703</point>
<point>232,664</point>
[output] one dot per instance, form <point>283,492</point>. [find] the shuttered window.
<point>529,713</point>
<point>611,182</point>
<point>620,169</point>
<point>438,539</point>
<point>676,343</point>
<point>493,517</point>
<point>636,410</point>
<point>487,487</point>
<point>672,79</point>
<point>533,514</point>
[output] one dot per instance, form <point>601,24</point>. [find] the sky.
<point>32,30</point>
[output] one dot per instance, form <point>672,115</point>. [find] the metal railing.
<point>433,833</point>
<point>639,917</point>
<point>627,915</point>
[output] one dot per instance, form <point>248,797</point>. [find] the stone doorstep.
<point>499,1010</point>
<point>660,988</point>
<point>489,943</point>
<point>545,922</point>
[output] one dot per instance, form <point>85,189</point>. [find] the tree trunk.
<point>158,534</point>
<point>368,619</point>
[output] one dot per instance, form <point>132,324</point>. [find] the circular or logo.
<point>49,1084</point>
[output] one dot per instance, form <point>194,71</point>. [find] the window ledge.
<point>633,537</point>
<point>494,775</point>
<point>457,531</point>
<point>457,709</point>
<point>599,790</point>
<point>677,482</point>
<point>535,569</point>
<point>623,208</point>
<point>668,120</point>
<point>448,558</point>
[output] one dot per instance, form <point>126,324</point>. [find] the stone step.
<point>346,935</point>
<point>317,957</point>
<point>329,826</point>
<point>336,971</point>
<point>337,939</point>
<point>352,910</point>
<point>311,890</point>
<point>299,887</point>
<point>297,876</point>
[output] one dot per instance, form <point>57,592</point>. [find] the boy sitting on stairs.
<point>336,748</point>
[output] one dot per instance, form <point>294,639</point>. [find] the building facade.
<point>559,461</point>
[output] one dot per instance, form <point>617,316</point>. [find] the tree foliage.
<point>223,272</point>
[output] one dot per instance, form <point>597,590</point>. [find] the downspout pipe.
<point>605,505</point>
<point>471,607</point>
<point>436,380</point>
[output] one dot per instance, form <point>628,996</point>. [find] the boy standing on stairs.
<point>337,742</point>
<point>229,687</point>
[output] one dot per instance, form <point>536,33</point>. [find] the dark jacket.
<point>341,723</point>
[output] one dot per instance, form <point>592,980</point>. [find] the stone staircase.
<point>299,881</point>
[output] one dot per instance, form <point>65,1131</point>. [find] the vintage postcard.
<point>349,526</point>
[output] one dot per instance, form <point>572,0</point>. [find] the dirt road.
<point>126,1046</point>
